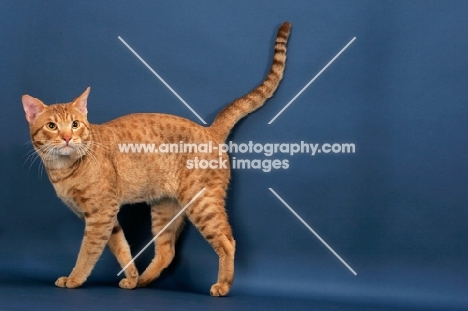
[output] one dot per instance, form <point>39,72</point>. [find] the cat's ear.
<point>33,107</point>
<point>81,103</point>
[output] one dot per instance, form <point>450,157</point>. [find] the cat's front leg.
<point>99,224</point>
<point>119,247</point>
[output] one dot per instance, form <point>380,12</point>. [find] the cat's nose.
<point>67,139</point>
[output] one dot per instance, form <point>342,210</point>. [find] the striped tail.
<point>241,107</point>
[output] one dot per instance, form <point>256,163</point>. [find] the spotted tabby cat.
<point>92,176</point>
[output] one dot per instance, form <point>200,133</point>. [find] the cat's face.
<point>58,131</point>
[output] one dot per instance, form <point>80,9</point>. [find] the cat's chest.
<point>70,201</point>
<point>75,208</point>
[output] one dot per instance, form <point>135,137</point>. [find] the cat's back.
<point>158,127</point>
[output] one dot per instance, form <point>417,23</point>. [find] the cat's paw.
<point>66,282</point>
<point>220,289</point>
<point>128,283</point>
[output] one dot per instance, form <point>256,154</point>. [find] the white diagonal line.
<point>312,230</point>
<point>161,79</point>
<point>311,81</point>
<point>162,230</point>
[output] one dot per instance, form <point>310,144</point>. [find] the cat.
<point>92,177</point>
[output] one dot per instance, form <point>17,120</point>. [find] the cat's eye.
<point>75,124</point>
<point>51,126</point>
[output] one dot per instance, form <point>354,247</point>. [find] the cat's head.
<point>59,130</point>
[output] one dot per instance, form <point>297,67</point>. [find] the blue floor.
<point>29,268</point>
<point>34,292</point>
<point>39,295</point>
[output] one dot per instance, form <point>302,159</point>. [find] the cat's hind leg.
<point>207,213</point>
<point>118,245</point>
<point>161,214</point>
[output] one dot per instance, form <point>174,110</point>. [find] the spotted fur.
<point>92,176</point>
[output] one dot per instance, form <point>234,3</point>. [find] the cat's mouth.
<point>65,150</point>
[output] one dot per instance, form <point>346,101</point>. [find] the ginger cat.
<point>95,179</point>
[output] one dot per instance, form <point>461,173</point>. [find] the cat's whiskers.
<point>97,144</point>
<point>49,156</point>
<point>35,153</point>
<point>45,153</point>
<point>84,149</point>
<point>32,156</point>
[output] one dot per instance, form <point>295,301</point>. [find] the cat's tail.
<point>241,107</point>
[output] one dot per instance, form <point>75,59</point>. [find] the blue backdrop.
<point>394,210</point>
